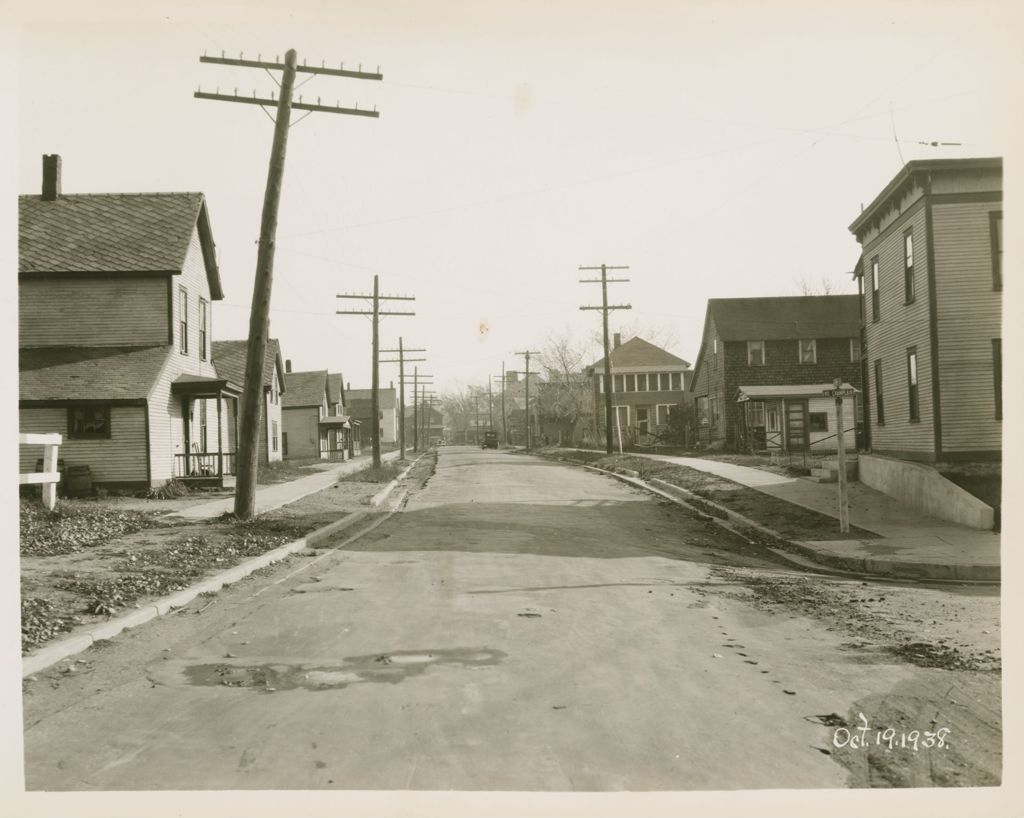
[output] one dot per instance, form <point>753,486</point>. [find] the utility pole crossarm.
<point>610,307</point>
<point>302,69</point>
<point>370,312</point>
<point>296,106</point>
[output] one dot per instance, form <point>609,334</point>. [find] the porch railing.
<point>204,464</point>
<point>334,455</point>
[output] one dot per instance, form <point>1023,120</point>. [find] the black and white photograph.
<point>518,408</point>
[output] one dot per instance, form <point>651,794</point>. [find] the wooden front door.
<point>796,425</point>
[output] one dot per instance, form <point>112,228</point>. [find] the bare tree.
<point>825,286</point>
<point>665,335</point>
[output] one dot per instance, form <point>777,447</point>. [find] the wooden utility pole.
<point>376,314</point>
<point>838,391</point>
<point>490,402</point>
<point>247,461</point>
<point>417,379</point>
<point>401,389</point>
<point>527,355</point>
<point>605,307</point>
<point>504,422</point>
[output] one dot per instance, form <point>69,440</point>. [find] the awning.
<point>199,386</point>
<point>336,422</point>
<point>803,390</point>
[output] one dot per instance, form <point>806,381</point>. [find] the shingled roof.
<point>637,352</point>
<point>304,388</point>
<point>783,317</point>
<point>229,361</point>
<point>103,233</point>
<point>89,373</point>
<point>361,398</point>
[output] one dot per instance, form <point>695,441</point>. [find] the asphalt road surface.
<point>520,625</point>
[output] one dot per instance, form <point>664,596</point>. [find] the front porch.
<point>207,460</point>
<point>339,438</point>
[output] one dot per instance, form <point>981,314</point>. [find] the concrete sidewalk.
<point>910,543</point>
<point>280,494</point>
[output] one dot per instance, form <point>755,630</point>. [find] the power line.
<point>259,319</point>
<point>375,313</point>
<point>605,308</point>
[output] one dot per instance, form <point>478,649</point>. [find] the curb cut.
<point>71,645</point>
<point>726,518</point>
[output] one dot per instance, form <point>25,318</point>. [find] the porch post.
<point>186,411</point>
<point>220,444</point>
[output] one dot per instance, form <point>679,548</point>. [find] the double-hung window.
<point>995,224</point>
<point>997,375</point>
<point>183,321</point>
<point>879,400</point>
<point>908,266</point>
<point>88,422</point>
<point>912,396</point>
<point>203,318</point>
<point>808,351</point>
<point>854,350</point>
<point>755,353</point>
<point>874,289</point>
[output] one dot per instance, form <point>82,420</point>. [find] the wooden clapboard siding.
<point>827,440</point>
<point>117,311</point>
<point>900,326</point>
<point>969,317</point>
<point>193,278</point>
<point>977,181</point>
<point>302,425</point>
<point>119,459</point>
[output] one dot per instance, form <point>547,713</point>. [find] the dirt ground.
<point>89,583</point>
<point>791,521</point>
<point>951,631</point>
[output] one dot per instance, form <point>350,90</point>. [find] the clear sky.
<point>718,149</point>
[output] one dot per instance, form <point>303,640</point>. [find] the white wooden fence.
<point>49,477</point>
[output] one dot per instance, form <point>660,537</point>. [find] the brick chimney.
<point>51,177</point>
<point>288,365</point>
<point>616,340</point>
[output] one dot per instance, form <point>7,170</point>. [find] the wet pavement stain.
<point>271,677</point>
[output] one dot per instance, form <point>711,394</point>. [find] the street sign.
<point>842,392</point>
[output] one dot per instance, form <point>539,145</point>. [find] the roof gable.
<point>105,233</point>
<point>638,352</point>
<point>304,389</point>
<point>229,361</point>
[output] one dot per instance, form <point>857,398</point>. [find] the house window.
<point>183,320</point>
<point>879,402</point>
<point>817,421</point>
<point>755,412</point>
<point>202,328</point>
<point>641,383</point>
<point>202,426</point>
<point>618,383</point>
<point>995,225</point>
<point>912,402</point>
<point>874,288</point>
<point>631,383</point>
<point>622,416</point>
<point>702,409</point>
<point>273,435</point>
<point>714,409</point>
<point>600,384</point>
<point>89,422</point>
<point>715,342</point>
<point>666,381</point>
<point>284,444</point>
<point>997,375</point>
<point>854,350</point>
<point>908,266</point>
<point>663,411</point>
<point>755,353</point>
<point>808,351</point>
<point>677,381</point>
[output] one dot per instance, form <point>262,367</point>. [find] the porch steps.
<point>827,471</point>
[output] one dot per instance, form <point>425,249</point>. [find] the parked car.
<point>490,440</point>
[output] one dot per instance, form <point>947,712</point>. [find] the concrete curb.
<point>385,492</point>
<point>69,646</point>
<point>908,569</point>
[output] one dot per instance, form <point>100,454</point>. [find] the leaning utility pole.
<point>376,314</point>
<point>259,316</point>
<point>401,390</point>
<point>527,354</point>
<point>604,281</point>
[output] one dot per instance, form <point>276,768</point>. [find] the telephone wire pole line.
<point>259,317</point>
<point>605,308</point>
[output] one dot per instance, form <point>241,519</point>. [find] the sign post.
<point>839,391</point>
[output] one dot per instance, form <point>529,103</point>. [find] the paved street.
<point>520,625</point>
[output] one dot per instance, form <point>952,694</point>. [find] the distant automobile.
<point>490,440</point>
